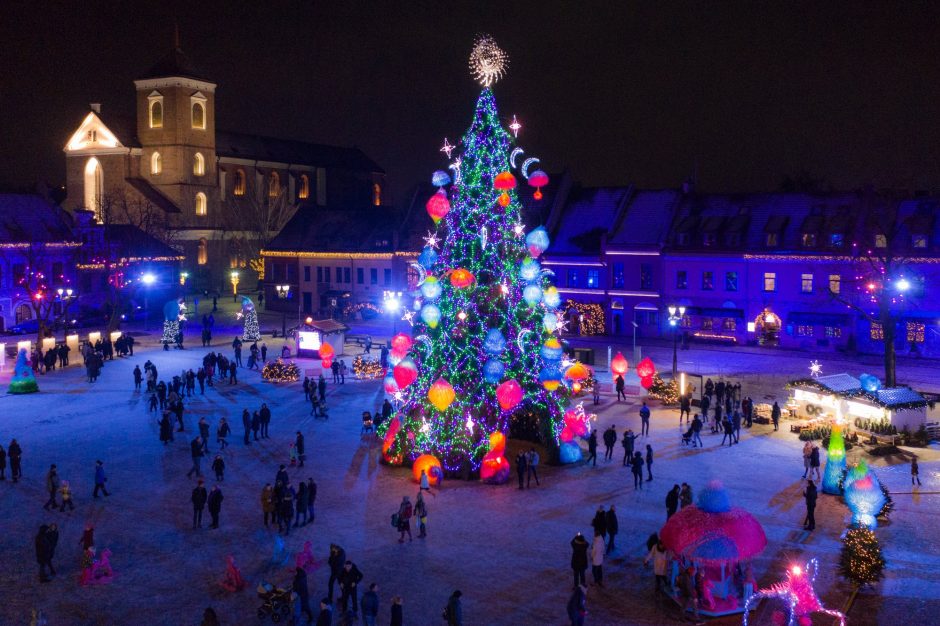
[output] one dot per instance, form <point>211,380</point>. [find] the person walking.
<point>421,512</point>
<point>246,423</point>
<point>336,561</point>
<point>532,463</point>
<point>454,611</point>
<point>268,504</point>
<point>613,527</point>
<point>520,469</point>
<point>814,463</point>
<point>215,505</point>
<point>685,495</point>
<point>100,480</point>
<point>405,512</point>
<point>775,415</point>
<point>138,377</point>
<point>299,586</point>
<point>222,431</point>
<point>597,560</point>
<point>370,605</point>
<point>685,408</point>
<point>672,501</point>
<point>807,451</point>
<point>204,434</point>
<point>610,440</point>
<point>198,498</point>
<point>645,420</point>
<point>915,471</point>
<point>660,558</point>
<point>619,385</point>
<point>52,487</point>
<point>579,558</point>
<point>299,447</point>
<point>599,523</point>
<point>66,492</point>
<point>218,466</point>
<point>627,443</point>
<point>577,605</point>
<point>195,449</point>
<point>649,462</point>
<point>728,432</point>
<point>636,466</point>
<point>592,448</point>
<point>45,549</point>
<point>166,427</point>
<point>201,379</point>
<point>736,425</point>
<point>809,494</point>
<point>697,432</point>
<point>302,510</point>
<point>321,388</point>
<point>349,581</point>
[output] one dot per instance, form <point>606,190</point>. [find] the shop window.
<point>23,313</point>
<point>915,332</point>
<point>593,279</point>
<point>804,331</point>
<point>708,281</point>
<point>806,283</point>
<point>377,194</point>
<point>339,275</point>
<point>731,281</point>
<point>876,331</point>
<point>835,283</point>
<point>729,323</point>
<point>770,281</point>
<point>833,332</point>
<point>306,273</point>
<point>685,322</point>
<point>708,323</point>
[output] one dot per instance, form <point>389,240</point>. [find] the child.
<point>153,402</point>
<point>915,471</point>
<point>66,492</point>
<point>218,466</point>
<point>293,455</point>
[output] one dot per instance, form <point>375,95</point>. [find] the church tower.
<point>176,130</point>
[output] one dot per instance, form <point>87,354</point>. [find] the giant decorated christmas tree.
<point>483,359</point>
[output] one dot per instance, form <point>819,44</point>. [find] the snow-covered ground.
<point>506,550</point>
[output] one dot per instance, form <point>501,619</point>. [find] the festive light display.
<point>869,383</point>
<point>431,289</point>
<point>798,592</point>
<point>577,425</point>
<point>815,369</point>
<point>366,368</point>
<point>326,354</point>
<point>438,206</point>
<point>482,240</point>
<point>590,317</point>
<point>667,393</point>
<point>401,344</point>
<point>835,462</point>
<point>23,380</point>
<point>429,464</point>
<point>390,384</point>
<point>538,179</point>
<point>252,332</point>
<point>618,365</point>
<point>863,495</point>
<point>389,452</point>
<point>280,372</point>
<point>487,61</point>
<point>405,372</point>
<point>860,560</point>
<point>440,178</point>
<point>537,242</point>
<point>515,126</point>
<point>495,467</point>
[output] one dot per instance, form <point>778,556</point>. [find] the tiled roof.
<point>320,229</point>
<point>174,63</point>
<point>129,241</point>
<point>646,219</point>
<point>28,218</point>
<point>840,382</point>
<point>255,147</point>
<point>153,195</point>
<point>899,395</point>
<point>588,214</point>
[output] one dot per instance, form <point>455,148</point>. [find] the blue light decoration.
<point>835,462</point>
<point>537,242</point>
<point>440,178</point>
<point>863,495</point>
<point>430,315</point>
<point>431,288</point>
<point>428,257</point>
<point>494,343</point>
<point>529,270</point>
<point>493,370</point>
<point>869,383</point>
<point>532,294</point>
<point>549,322</point>
<point>551,351</point>
<point>551,298</point>
<point>550,377</point>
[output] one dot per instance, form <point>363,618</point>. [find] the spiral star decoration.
<point>487,61</point>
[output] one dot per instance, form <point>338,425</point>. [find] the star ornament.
<point>518,229</point>
<point>409,317</point>
<point>432,240</point>
<point>447,148</point>
<point>815,369</point>
<point>515,126</point>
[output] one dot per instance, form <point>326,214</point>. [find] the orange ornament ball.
<point>430,464</point>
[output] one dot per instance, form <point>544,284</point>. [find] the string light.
<point>432,241</point>
<point>515,126</point>
<point>487,61</point>
<point>447,148</point>
<point>280,372</point>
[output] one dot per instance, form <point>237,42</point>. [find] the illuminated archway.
<point>94,186</point>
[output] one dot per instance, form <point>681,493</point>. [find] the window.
<point>274,185</point>
<point>808,240</point>
<point>806,283</point>
<point>593,279</point>
<point>835,283</point>
<point>156,163</point>
<point>202,257</point>
<point>94,187</point>
<point>682,279</point>
<point>387,277</point>
<point>836,240</point>
<point>360,276</point>
<point>201,203</point>
<point>319,274</point>
<point>377,194</point>
<point>708,323</point>
<point>646,276</point>
<point>729,323</point>
<point>731,281</point>
<point>617,276</point>
<point>156,111</point>
<point>876,331</point>
<point>339,275</point>
<point>804,331</point>
<point>833,332</point>
<point>770,281</point>
<point>572,278</point>
<point>682,239</point>
<point>771,240</point>
<point>881,241</point>
<point>291,272</point>
<point>686,321</point>
<point>306,273</point>
<point>199,115</point>
<point>239,188</point>
<point>23,313</point>
<point>304,192</point>
<point>199,164</point>
<point>919,241</point>
<point>915,332</point>
<point>347,275</point>
<point>326,275</point>
<point>708,239</point>
<point>373,276</point>
<point>708,281</point>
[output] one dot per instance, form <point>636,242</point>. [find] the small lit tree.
<point>861,561</point>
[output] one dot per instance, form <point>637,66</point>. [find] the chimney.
<point>96,107</point>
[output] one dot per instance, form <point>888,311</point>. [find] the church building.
<point>216,196</point>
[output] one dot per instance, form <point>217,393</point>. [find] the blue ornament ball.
<point>493,371</point>
<point>494,343</point>
<point>428,257</point>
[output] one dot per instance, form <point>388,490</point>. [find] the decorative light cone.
<point>835,462</point>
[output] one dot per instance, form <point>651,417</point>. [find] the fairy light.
<point>280,372</point>
<point>447,148</point>
<point>515,126</point>
<point>487,61</point>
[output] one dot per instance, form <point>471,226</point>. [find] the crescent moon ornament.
<point>424,339</point>
<point>520,338</point>
<point>526,165</point>
<point>422,273</point>
<point>512,157</point>
<point>546,272</point>
<point>483,234</point>
<point>456,167</point>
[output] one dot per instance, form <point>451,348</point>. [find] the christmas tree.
<point>171,321</point>
<point>485,357</point>
<point>861,561</point>
<point>250,316</point>
<point>23,380</point>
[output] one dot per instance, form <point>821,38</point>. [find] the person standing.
<point>232,373</point>
<point>218,466</point>
<point>520,469</point>
<point>627,443</point>
<point>302,510</point>
<point>204,434</point>
<point>198,498</point>
<point>579,558</point>
<point>697,432</point>
<point>613,528</point>
<point>267,503</point>
<point>195,449</point>
<point>775,415</point>
<point>44,552</point>
<point>597,560</point>
<point>299,586</point>
<point>454,611</point>
<point>685,408</point>
<point>166,427</point>
<point>807,451</point>
<point>286,507</point>
<point>599,523</point>
<point>336,561</point>
<point>689,594</point>
<point>685,495</point>
<point>645,420</point>
<point>265,414</point>
<point>672,501</point>
<point>809,494</point>
<point>52,486</point>
<point>592,448</point>
<point>649,462</point>
<point>421,512</point>
<point>215,505</point>
<point>736,425</point>
<point>610,440</point>
<point>255,424</point>
<point>728,432</point>
<point>397,613</point>
<point>577,605</point>
<point>325,618</point>
<point>321,388</point>
<point>349,581</point>
<point>637,467</point>
<point>915,471</point>
<point>814,462</point>
<point>100,479</point>
<point>660,558</point>
<point>311,498</point>
<point>237,347</point>
<point>405,512</point>
<point>264,352</point>
<point>138,378</point>
<point>299,446</point>
<point>246,423</point>
<point>619,386</point>
<point>370,605</point>
<point>532,463</point>
<point>222,431</point>
<point>66,492</point>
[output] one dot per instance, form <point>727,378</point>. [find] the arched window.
<point>201,203</point>
<point>156,113</point>
<point>304,192</point>
<point>274,185</point>
<point>156,163</point>
<point>94,186</point>
<point>239,188</point>
<point>23,313</point>
<point>202,257</point>
<point>199,115</point>
<point>377,194</point>
<point>199,164</point>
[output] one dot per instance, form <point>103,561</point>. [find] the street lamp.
<point>392,303</point>
<point>282,292</point>
<point>148,280</point>
<point>903,285</point>
<point>65,297</point>
<point>234,278</point>
<point>675,315</point>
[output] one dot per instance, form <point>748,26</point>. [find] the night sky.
<point>617,92</point>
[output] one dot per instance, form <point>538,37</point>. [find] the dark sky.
<point>618,92</point>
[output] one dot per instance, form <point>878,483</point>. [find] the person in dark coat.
<point>215,505</point>
<point>613,527</point>
<point>577,606</point>
<point>619,385</point>
<point>166,428</point>
<point>520,469</point>
<point>809,494</point>
<point>398,616</point>
<point>138,378</point>
<point>100,480</point>
<point>649,462</point>
<point>204,433</point>
<point>255,424</point>
<point>336,561</point>
<point>299,447</point>
<point>636,465</point>
<point>454,611</point>
<point>627,443</point>
<point>775,415</point>
<point>246,422</point>
<point>610,440</point>
<point>599,523</point>
<point>286,508</point>
<point>349,580</point>
<point>195,450</point>
<point>370,605</point>
<point>299,586</point>
<point>15,453</point>
<point>325,618</point>
<point>672,501</point>
<point>579,558</point>
<point>218,466</point>
<point>3,463</point>
<point>198,498</point>
<point>592,448</point>
<point>321,388</point>
<point>52,486</point>
<point>265,414</point>
<point>281,476</point>
<point>232,371</point>
<point>44,552</point>
<point>302,505</point>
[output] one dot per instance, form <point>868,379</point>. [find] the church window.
<point>156,163</point>
<point>274,185</point>
<point>304,192</point>
<point>377,194</point>
<point>199,164</point>
<point>94,186</point>
<point>201,203</point>
<point>156,112</point>
<point>202,256</point>
<point>199,115</point>
<point>239,187</point>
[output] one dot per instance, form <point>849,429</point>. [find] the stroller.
<point>687,438</point>
<point>277,603</point>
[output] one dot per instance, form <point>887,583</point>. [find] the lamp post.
<point>148,280</point>
<point>65,297</point>
<point>234,278</point>
<point>675,315</point>
<point>392,302</point>
<point>282,293</point>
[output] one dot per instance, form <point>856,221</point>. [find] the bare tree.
<point>251,221</point>
<point>37,284</point>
